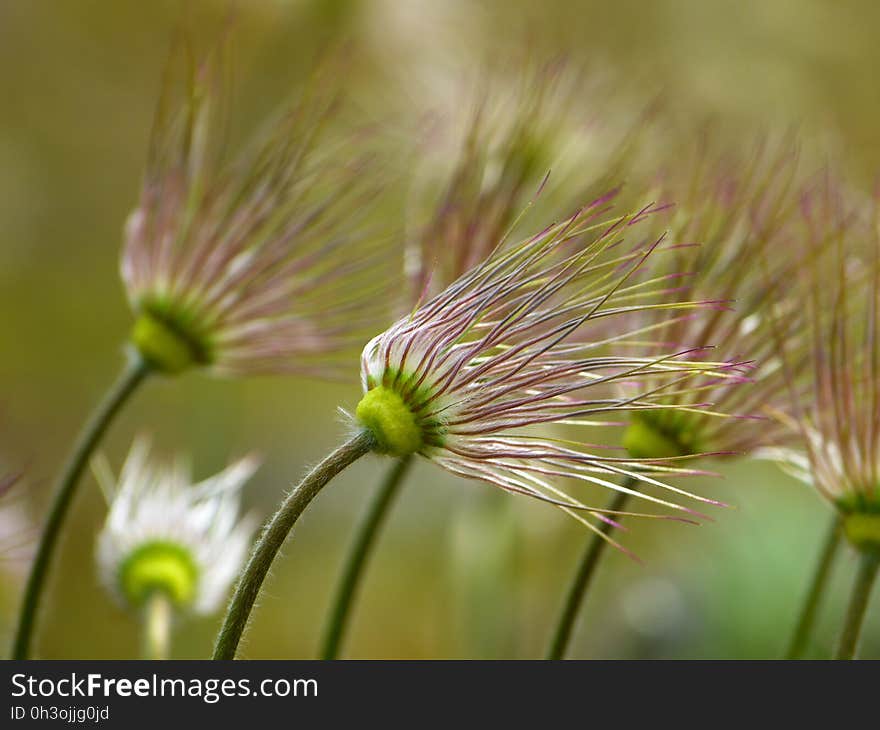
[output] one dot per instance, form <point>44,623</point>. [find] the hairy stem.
<point>583,578</point>
<point>273,537</point>
<point>816,592</point>
<point>90,436</point>
<point>358,555</point>
<point>157,627</point>
<point>858,604</point>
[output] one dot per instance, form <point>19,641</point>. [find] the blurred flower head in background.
<point>837,417</point>
<point>545,136</point>
<point>508,346</point>
<point>266,264</point>
<point>731,220</point>
<point>165,534</point>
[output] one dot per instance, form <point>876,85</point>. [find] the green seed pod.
<point>863,531</point>
<point>164,347</point>
<point>159,567</point>
<point>390,420</point>
<point>644,439</point>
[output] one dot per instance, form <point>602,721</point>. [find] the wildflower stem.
<point>817,588</point>
<point>358,555</point>
<point>157,627</point>
<point>135,372</point>
<point>274,535</point>
<point>584,576</point>
<point>858,603</point>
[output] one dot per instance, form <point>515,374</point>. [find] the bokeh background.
<point>461,571</point>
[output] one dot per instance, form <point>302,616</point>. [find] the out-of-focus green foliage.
<point>456,573</point>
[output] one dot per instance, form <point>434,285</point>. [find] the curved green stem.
<point>157,627</point>
<point>817,589</point>
<point>858,603</point>
<point>273,537</point>
<point>135,371</point>
<point>584,577</point>
<point>358,555</point>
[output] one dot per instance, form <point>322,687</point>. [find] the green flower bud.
<point>863,531</point>
<point>159,567</point>
<point>168,349</point>
<point>394,426</point>
<point>646,439</point>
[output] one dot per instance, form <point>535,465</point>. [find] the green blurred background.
<point>461,571</point>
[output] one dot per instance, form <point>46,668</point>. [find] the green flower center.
<point>396,416</point>
<point>168,343</point>
<point>392,423</point>
<point>658,436</point>
<point>159,567</point>
<point>861,520</point>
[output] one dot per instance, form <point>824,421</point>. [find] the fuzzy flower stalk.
<point>480,180</point>
<point>234,265</point>
<point>469,380</point>
<point>837,417</point>
<point>169,545</point>
<point>730,220</point>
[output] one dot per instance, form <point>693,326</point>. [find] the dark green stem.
<point>358,554</point>
<point>273,537</point>
<point>817,590</point>
<point>584,577</point>
<point>858,604</point>
<point>135,371</point>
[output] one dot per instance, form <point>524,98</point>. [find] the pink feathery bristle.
<point>608,521</point>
